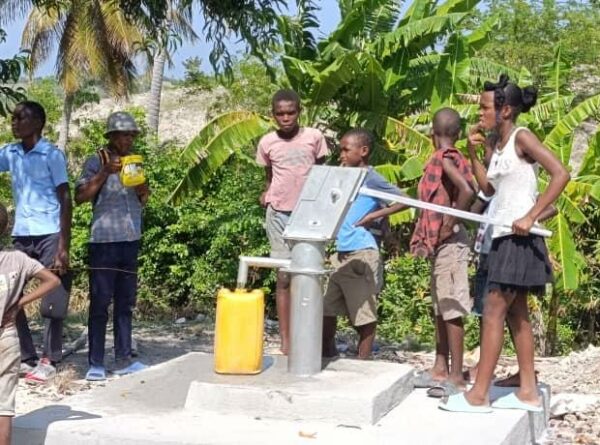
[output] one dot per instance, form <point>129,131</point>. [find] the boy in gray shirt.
<point>16,269</point>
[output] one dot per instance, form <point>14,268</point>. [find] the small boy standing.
<point>287,156</point>
<point>114,245</point>
<point>358,277</point>
<point>16,269</point>
<point>447,180</point>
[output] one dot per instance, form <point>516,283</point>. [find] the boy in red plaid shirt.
<point>448,181</point>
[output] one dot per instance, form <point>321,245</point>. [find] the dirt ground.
<point>577,373</point>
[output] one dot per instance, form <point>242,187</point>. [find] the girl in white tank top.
<point>515,181</point>
<point>518,262</point>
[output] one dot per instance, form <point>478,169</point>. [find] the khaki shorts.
<point>354,285</point>
<point>10,358</point>
<point>275,225</point>
<point>450,281</point>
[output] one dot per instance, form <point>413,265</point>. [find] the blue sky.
<point>328,17</point>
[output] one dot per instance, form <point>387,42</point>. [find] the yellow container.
<point>132,170</point>
<point>239,331</point>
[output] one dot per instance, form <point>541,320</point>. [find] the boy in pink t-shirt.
<point>287,155</point>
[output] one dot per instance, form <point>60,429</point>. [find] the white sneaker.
<point>43,372</point>
<point>25,368</point>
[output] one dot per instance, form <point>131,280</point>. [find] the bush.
<point>405,305</point>
<point>190,251</point>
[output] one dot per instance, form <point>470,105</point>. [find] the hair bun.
<point>500,85</point>
<point>528,98</point>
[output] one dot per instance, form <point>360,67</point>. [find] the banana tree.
<point>219,139</point>
<point>367,70</point>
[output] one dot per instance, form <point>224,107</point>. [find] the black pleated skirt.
<point>519,263</point>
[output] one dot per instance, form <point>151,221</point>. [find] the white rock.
<point>566,403</point>
<point>271,324</point>
<point>180,320</point>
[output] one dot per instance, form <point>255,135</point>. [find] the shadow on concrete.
<point>32,428</point>
<point>535,423</point>
<point>267,363</point>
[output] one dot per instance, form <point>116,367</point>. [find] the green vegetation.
<point>383,67</point>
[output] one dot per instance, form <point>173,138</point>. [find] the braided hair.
<point>508,93</point>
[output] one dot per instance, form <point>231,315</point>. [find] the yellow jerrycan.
<point>239,331</point>
<point>132,170</point>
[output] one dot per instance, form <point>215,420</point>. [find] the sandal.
<point>134,367</point>
<point>511,401</point>
<point>424,379</point>
<point>443,389</point>
<point>512,381</point>
<point>96,374</point>
<point>459,404</point>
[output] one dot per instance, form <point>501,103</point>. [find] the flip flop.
<point>134,367</point>
<point>443,389</point>
<point>96,374</point>
<point>457,403</point>
<point>511,401</point>
<point>424,379</point>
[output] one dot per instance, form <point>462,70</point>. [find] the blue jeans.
<point>481,285</point>
<point>106,285</point>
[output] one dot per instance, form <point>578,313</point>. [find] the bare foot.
<point>437,375</point>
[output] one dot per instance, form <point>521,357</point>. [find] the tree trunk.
<point>65,121</point>
<point>155,90</point>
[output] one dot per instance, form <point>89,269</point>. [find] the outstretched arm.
<point>368,219</point>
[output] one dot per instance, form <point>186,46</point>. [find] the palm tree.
<point>94,40</point>
<point>169,22</point>
<point>176,26</point>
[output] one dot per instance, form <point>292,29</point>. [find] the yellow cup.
<point>132,170</point>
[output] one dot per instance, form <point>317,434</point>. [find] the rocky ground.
<point>574,379</point>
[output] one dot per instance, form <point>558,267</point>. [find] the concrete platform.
<point>148,409</point>
<point>350,392</point>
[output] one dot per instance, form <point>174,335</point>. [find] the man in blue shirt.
<point>42,228</point>
<point>358,275</point>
